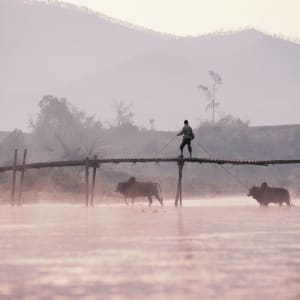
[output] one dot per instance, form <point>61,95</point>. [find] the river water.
<point>204,250</point>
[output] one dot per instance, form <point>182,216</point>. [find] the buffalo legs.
<point>149,198</point>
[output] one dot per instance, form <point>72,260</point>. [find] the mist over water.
<point>218,249</point>
<point>88,87</point>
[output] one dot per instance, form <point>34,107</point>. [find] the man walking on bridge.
<point>188,136</point>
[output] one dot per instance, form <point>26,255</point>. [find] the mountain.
<point>92,59</point>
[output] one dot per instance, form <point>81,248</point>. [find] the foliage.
<point>14,140</point>
<point>124,114</point>
<point>66,132</point>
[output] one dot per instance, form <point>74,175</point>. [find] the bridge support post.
<point>179,183</point>
<point>22,176</point>
<point>14,173</point>
<point>93,181</point>
<point>87,183</point>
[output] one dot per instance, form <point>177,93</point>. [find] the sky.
<point>194,17</point>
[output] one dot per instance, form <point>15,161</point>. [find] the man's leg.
<point>189,147</point>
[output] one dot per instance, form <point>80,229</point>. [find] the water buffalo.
<point>132,189</point>
<point>266,194</point>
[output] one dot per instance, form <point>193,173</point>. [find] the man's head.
<point>186,122</point>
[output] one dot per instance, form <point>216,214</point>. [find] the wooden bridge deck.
<point>95,162</point>
<point>92,162</point>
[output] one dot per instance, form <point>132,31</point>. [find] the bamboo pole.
<point>22,176</point>
<point>179,183</point>
<point>87,185</point>
<point>14,169</point>
<point>93,181</point>
<point>177,194</point>
<point>73,163</point>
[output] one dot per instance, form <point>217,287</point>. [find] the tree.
<point>64,131</point>
<point>210,92</point>
<point>124,115</point>
<point>14,140</point>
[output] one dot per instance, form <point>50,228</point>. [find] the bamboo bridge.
<point>95,163</point>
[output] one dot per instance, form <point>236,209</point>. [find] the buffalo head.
<point>119,187</point>
<point>254,192</point>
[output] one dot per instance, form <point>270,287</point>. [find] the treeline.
<point>62,132</point>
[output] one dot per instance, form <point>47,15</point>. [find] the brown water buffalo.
<point>266,194</point>
<point>132,189</point>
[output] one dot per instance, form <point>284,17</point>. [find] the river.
<point>213,249</point>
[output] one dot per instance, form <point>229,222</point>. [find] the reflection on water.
<point>203,251</point>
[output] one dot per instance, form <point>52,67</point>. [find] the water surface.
<point>214,250</point>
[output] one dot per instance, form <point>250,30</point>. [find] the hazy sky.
<point>184,17</point>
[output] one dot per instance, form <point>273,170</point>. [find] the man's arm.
<point>181,132</point>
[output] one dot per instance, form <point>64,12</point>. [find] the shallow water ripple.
<point>201,252</point>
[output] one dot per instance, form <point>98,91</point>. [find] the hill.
<point>92,59</point>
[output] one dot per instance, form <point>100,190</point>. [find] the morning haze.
<point>152,158</point>
<point>93,60</point>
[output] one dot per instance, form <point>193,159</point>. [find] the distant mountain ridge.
<point>92,60</point>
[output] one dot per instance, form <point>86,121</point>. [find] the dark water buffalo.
<point>132,189</point>
<point>266,194</point>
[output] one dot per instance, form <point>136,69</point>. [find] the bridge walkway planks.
<point>74,163</point>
